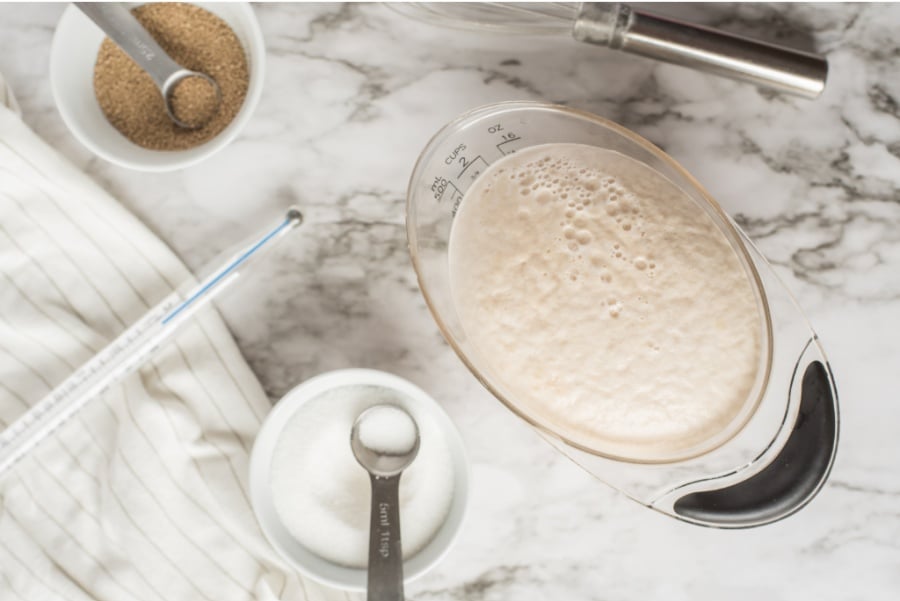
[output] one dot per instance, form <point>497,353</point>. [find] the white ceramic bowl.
<point>422,407</point>
<point>72,56</point>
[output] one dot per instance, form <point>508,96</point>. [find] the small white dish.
<point>422,407</point>
<point>72,56</point>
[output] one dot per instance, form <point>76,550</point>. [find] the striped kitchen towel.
<point>143,494</point>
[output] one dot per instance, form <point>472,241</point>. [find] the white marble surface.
<point>352,95</point>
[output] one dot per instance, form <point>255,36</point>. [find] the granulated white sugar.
<point>388,430</point>
<point>322,494</point>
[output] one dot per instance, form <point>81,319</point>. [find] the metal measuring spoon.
<point>119,24</point>
<point>385,460</point>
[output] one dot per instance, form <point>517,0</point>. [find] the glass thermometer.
<point>131,349</point>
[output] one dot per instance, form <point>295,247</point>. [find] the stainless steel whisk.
<point>622,27</point>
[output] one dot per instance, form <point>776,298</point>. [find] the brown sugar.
<point>197,40</point>
<point>194,101</point>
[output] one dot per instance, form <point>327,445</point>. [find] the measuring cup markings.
<point>508,139</point>
<point>472,168</point>
<point>442,185</point>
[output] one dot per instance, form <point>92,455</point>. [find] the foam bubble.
<point>615,307</point>
<point>543,197</point>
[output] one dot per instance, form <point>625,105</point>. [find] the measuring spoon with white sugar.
<point>385,440</point>
<point>127,32</point>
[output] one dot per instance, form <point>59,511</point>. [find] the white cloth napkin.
<point>142,495</point>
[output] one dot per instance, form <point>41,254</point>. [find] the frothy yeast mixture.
<point>606,303</point>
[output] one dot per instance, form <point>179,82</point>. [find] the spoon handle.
<point>127,32</point>
<point>385,552</point>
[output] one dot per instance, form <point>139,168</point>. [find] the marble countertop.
<point>352,95</point>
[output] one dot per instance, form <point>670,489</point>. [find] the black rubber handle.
<point>791,480</point>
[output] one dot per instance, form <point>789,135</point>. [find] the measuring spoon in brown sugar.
<point>192,98</point>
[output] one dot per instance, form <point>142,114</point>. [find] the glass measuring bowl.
<point>771,459</point>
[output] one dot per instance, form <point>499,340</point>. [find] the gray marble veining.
<point>352,95</point>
